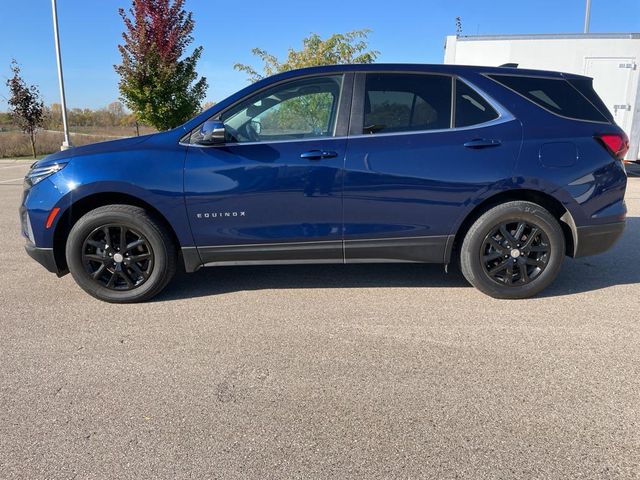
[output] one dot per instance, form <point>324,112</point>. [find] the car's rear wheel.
<point>513,250</point>
<point>121,254</point>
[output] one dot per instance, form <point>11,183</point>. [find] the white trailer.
<point>610,59</point>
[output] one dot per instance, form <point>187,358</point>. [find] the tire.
<point>494,266</point>
<point>104,269</point>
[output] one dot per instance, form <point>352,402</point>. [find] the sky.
<point>411,31</point>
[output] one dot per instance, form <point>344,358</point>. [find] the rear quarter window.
<point>585,87</point>
<point>471,108</point>
<point>554,95</point>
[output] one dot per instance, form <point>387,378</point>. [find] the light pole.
<point>587,16</point>
<point>67,142</point>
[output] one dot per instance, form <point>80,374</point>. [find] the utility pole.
<point>587,16</point>
<point>67,142</point>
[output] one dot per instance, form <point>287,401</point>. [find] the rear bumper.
<point>595,239</point>
<point>45,257</point>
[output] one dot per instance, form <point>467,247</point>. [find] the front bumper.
<point>595,239</point>
<point>45,257</point>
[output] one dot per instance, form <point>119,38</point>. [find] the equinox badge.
<point>220,214</point>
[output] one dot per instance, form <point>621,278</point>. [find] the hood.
<point>94,148</point>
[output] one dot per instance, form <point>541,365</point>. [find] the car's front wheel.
<point>121,254</point>
<point>513,250</point>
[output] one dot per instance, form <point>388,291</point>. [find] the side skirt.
<point>433,249</point>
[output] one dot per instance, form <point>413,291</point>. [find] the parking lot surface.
<point>363,371</point>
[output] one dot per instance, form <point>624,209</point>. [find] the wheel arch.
<point>76,210</point>
<point>550,203</point>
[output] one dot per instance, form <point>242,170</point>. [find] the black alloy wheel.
<point>515,253</point>
<point>117,257</point>
<point>513,250</point>
<point>121,253</point>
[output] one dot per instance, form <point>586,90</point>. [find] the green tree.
<point>25,105</point>
<point>309,112</point>
<point>300,114</point>
<point>339,48</point>
<point>157,82</point>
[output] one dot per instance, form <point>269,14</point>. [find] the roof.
<point>450,69</point>
<point>551,36</point>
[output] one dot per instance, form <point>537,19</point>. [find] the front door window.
<point>301,109</point>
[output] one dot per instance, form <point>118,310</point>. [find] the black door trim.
<point>273,253</point>
<point>431,249</point>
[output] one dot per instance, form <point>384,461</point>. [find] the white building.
<point>610,59</point>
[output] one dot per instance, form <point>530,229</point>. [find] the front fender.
<point>156,181</point>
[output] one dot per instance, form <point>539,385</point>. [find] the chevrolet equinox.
<point>502,171</point>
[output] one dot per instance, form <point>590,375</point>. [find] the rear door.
<point>422,147</point>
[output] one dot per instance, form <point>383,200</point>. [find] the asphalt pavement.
<point>312,371</point>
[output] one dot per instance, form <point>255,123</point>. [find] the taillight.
<point>616,143</point>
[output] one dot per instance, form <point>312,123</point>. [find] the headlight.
<point>36,175</point>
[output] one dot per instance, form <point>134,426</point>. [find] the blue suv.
<point>501,170</point>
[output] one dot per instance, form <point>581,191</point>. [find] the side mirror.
<point>212,132</point>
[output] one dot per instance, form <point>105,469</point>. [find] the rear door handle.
<point>318,154</point>
<point>482,143</point>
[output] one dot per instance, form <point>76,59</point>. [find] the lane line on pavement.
<point>5,167</point>
<point>12,180</point>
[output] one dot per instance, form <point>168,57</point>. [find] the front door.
<point>273,190</point>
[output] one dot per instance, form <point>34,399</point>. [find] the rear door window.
<point>406,102</point>
<point>471,108</point>
<point>554,95</point>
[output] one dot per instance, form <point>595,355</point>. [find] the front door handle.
<point>318,154</point>
<point>482,143</point>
